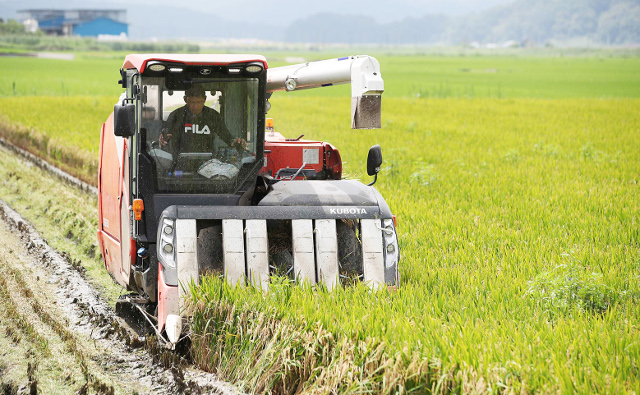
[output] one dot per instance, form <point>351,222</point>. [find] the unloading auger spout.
<point>362,71</point>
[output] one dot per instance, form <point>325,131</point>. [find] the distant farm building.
<point>92,23</point>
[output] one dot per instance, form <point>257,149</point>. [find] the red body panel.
<point>318,156</point>
<point>109,181</point>
<point>139,61</point>
<point>167,299</point>
<point>112,200</point>
<point>111,253</point>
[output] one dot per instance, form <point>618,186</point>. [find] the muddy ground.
<point>58,333</point>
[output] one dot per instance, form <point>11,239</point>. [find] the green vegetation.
<point>65,131</point>
<point>10,27</point>
<point>520,252</point>
<point>88,75</point>
<point>65,217</point>
<point>505,77</point>
<point>513,74</point>
<point>55,108</point>
<point>515,183</point>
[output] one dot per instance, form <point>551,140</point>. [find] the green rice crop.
<point>518,224</point>
<point>502,77</point>
<point>30,76</point>
<point>405,76</point>
<point>75,120</point>
<point>64,130</point>
<point>515,183</point>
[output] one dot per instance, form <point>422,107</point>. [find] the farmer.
<point>193,127</point>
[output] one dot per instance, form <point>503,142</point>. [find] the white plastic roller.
<point>304,268</point>
<point>373,257</point>
<point>327,252</point>
<point>257,253</point>
<point>233,250</point>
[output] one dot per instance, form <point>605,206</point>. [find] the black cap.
<point>195,91</point>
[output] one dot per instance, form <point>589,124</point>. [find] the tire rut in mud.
<point>53,323</point>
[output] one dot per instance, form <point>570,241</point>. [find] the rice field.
<point>515,184</point>
<point>518,225</point>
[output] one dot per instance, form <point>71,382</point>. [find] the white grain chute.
<point>362,71</point>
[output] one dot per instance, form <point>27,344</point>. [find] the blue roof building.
<point>100,26</point>
<point>79,22</point>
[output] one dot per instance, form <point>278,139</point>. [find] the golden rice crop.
<point>518,222</point>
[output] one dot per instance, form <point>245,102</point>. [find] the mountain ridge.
<point>519,22</point>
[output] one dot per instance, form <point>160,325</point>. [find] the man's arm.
<point>219,127</point>
<point>169,129</point>
<point>223,132</point>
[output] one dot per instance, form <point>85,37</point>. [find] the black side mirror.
<point>124,120</point>
<point>374,161</point>
<point>123,78</point>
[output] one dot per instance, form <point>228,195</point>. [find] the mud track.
<point>58,335</point>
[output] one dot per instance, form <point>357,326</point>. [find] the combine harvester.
<point>270,206</point>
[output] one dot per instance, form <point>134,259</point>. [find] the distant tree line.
<point>523,21</point>
<point>11,27</point>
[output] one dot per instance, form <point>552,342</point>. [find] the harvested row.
<point>50,347</point>
<point>84,348</point>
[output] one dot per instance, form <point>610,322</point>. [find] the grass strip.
<point>67,218</point>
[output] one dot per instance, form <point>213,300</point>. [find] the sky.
<point>278,12</point>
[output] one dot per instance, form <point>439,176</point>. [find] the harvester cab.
<point>189,183</point>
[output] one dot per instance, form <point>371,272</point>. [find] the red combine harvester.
<point>244,202</point>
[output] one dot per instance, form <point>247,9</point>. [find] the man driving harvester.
<point>193,127</point>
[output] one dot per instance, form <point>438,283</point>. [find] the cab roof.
<point>139,61</point>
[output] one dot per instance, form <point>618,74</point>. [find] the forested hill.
<point>519,22</point>
<point>522,22</point>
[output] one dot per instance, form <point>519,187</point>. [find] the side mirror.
<point>124,120</point>
<point>374,161</point>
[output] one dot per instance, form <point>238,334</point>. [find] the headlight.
<point>253,68</point>
<point>391,247</point>
<point>166,251</point>
<point>157,67</point>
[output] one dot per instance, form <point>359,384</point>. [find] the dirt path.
<point>59,336</point>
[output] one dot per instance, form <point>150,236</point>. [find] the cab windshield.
<point>202,138</point>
